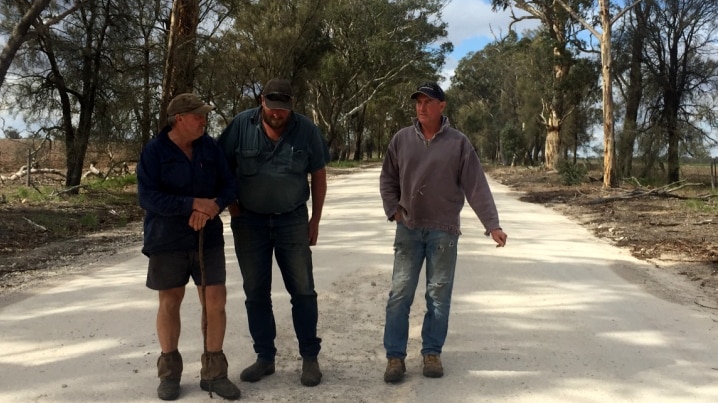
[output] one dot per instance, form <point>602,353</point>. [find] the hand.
<point>398,216</point>
<point>499,237</point>
<point>234,210</point>
<point>207,206</point>
<point>313,232</point>
<point>198,220</point>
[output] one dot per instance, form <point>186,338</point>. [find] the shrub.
<point>572,174</point>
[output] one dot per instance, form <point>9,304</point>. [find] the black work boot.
<point>311,374</point>
<point>214,376</point>
<point>169,370</point>
<point>257,371</point>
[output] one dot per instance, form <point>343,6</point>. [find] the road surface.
<point>549,318</point>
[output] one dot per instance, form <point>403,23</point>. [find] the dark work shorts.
<point>173,269</point>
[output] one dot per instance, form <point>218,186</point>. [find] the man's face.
<point>192,124</point>
<point>275,118</point>
<point>428,110</point>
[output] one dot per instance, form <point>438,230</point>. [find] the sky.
<point>472,25</point>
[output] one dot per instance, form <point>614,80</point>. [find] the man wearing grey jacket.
<point>429,170</point>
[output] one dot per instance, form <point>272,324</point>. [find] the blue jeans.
<point>256,237</point>
<point>411,248</point>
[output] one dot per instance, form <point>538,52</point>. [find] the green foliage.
<point>116,182</point>
<point>572,174</point>
<point>705,206</point>
<point>351,163</point>
<point>89,220</point>
<point>29,194</point>
<point>23,193</point>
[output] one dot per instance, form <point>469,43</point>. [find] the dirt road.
<point>558,315</point>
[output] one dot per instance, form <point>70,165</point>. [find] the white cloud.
<point>474,18</point>
<point>471,25</point>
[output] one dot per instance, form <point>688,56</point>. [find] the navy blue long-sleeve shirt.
<point>168,182</point>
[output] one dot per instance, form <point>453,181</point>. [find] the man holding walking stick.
<point>184,183</point>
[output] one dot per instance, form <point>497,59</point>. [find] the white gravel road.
<point>556,316</point>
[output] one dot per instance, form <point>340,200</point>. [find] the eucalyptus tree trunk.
<point>609,161</point>
<point>181,53</point>
<point>634,93</point>
<point>21,33</point>
<point>19,36</point>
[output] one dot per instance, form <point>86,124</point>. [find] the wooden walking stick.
<point>203,287</point>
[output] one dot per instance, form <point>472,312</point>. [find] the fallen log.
<point>92,171</point>
<point>23,172</point>
<point>664,191</point>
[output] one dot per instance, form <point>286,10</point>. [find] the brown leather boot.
<point>395,369</point>
<point>432,366</point>
<point>214,376</point>
<point>169,370</point>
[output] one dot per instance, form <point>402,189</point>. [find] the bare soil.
<point>676,231</point>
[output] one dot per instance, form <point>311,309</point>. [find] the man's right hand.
<point>234,210</point>
<point>206,206</point>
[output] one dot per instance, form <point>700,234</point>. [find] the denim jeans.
<point>256,238</point>
<point>411,248</point>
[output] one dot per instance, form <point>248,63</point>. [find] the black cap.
<point>431,90</point>
<point>278,94</point>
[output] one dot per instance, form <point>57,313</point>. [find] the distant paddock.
<point>51,154</point>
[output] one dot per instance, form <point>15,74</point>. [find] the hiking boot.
<point>311,374</point>
<point>223,387</point>
<point>432,366</point>
<point>214,376</point>
<point>169,370</point>
<point>257,371</point>
<point>169,389</point>
<point>395,370</point>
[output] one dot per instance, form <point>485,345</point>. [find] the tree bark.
<point>609,162</point>
<point>181,53</point>
<point>19,36</point>
<point>634,94</point>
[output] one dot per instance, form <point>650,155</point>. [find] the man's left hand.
<point>499,237</point>
<point>313,232</point>
<point>198,220</point>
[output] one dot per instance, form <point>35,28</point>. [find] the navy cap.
<point>431,90</point>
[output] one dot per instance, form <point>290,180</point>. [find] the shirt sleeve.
<point>228,141</point>
<point>151,195</point>
<point>389,184</point>
<point>319,155</point>
<point>477,190</point>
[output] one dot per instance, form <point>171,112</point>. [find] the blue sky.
<point>472,25</point>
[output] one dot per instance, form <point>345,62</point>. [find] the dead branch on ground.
<point>68,190</point>
<point>663,191</point>
<point>43,229</point>
<point>23,171</point>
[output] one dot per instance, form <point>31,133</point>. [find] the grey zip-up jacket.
<point>428,181</point>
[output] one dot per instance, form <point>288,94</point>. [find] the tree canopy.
<point>99,73</point>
